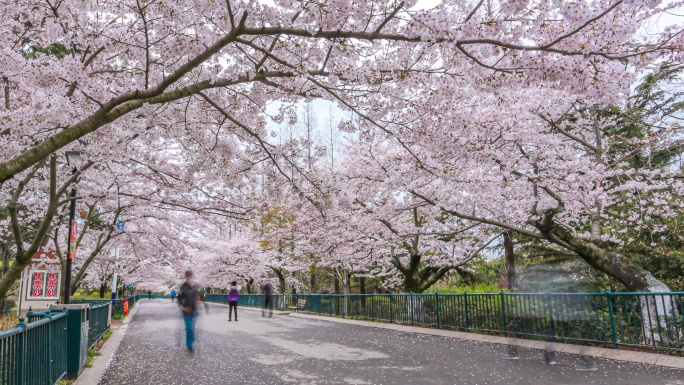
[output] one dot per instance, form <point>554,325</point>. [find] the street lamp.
<point>73,160</point>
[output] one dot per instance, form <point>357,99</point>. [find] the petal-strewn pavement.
<point>288,350</point>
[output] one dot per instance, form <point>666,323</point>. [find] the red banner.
<point>125,307</point>
<point>43,285</point>
<point>37,284</point>
<point>72,240</point>
<point>51,285</point>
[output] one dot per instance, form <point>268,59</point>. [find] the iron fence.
<point>34,353</point>
<point>132,300</point>
<point>278,301</point>
<point>643,320</point>
<point>98,319</point>
<point>98,322</point>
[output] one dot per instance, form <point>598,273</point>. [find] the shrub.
<point>479,288</point>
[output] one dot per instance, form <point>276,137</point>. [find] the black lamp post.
<point>73,160</point>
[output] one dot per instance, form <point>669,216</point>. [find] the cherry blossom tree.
<point>148,64</point>
<point>238,258</point>
<point>473,94</point>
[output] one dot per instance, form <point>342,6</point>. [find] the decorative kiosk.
<point>40,282</point>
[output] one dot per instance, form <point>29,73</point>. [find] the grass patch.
<point>65,382</point>
<point>7,323</point>
<point>95,351</point>
<point>92,353</point>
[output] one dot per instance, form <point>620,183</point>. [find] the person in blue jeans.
<point>188,296</point>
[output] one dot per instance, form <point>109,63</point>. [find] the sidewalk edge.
<point>94,374</point>
<point>655,359</point>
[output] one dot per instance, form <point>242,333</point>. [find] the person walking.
<point>188,295</point>
<point>233,297</point>
<point>267,300</point>
<point>173,295</point>
<point>149,294</point>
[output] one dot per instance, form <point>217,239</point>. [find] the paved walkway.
<point>289,350</point>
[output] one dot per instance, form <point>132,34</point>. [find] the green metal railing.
<point>644,320</point>
<point>98,322</point>
<point>98,319</point>
<point>132,300</point>
<point>34,353</point>
<point>279,301</point>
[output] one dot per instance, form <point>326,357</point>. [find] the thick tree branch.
<point>478,219</point>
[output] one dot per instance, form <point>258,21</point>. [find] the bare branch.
<point>389,17</point>
<point>472,13</point>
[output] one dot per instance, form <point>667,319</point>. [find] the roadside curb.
<point>92,375</point>
<point>278,312</point>
<point>656,359</point>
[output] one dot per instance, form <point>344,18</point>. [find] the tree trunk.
<point>417,276</point>
<point>4,252</point>
<point>281,280</point>
<point>13,273</point>
<point>621,268</point>
<point>312,278</point>
<point>336,281</point>
<point>362,290</point>
<point>613,263</point>
<point>103,289</point>
<point>80,274</point>
<point>346,285</point>
<point>510,259</point>
<point>466,276</point>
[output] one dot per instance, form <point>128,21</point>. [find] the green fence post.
<point>21,341</point>
<point>411,306</point>
<point>609,296</point>
<point>48,367</point>
<point>391,318</point>
<point>503,312</point>
<point>551,329</point>
<point>437,309</point>
<point>465,305</point>
<point>356,305</point>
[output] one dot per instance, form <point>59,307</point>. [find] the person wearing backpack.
<point>233,297</point>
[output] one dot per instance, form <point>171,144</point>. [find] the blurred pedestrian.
<point>267,300</point>
<point>188,296</point>
<point>233,297</point>
<point>149,294</point>
<point>173,295</point>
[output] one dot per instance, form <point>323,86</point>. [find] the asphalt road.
<point>289,350</point>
